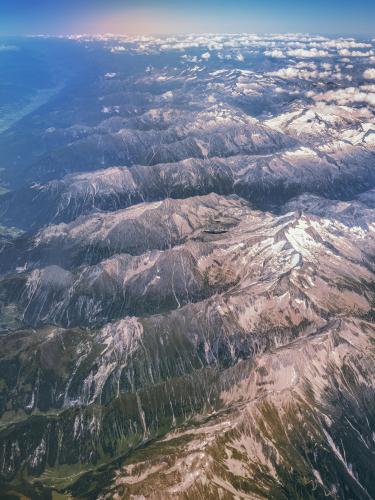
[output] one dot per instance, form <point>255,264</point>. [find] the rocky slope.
<point>187,263</point>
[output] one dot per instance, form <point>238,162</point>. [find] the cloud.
<point>305,70</point>
<point>292,73</point>
<point>276,53</point>
<point>342,43</point>
<point>235,46</point>
<point>6,48</point>
<point>168,95</point>
<point>349,95</point>
<point>306,53</point>
<point>356,53</point>
<point>191,59</point>
<point>118,48</point>
<point>110,109</point>
<point>369,74</point>
<point>369,87</point>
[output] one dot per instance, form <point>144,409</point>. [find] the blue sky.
<point>173,16</point>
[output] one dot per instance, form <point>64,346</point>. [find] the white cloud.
<point>308,71</point>
<point>276,53</point>
<point>110,109</point>
<point>168,95</point>
<point>301,74</point>
<point>118,48</point>
<point>348,95</point>
<point>342,43</point>
<point>355,53</point>
<point>206,56</point>
<point>369,74</point>
<point>6,48</point>
<point>192,59</point>
<point>327,66</point>
<point>307,53</point>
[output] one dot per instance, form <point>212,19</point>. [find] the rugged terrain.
<point>187,268</point>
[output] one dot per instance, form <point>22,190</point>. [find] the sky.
<point>347,17</point>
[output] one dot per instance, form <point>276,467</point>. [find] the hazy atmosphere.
<point>172,16</point>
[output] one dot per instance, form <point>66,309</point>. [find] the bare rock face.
<point>187,274</point>
<point>283,411</point>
